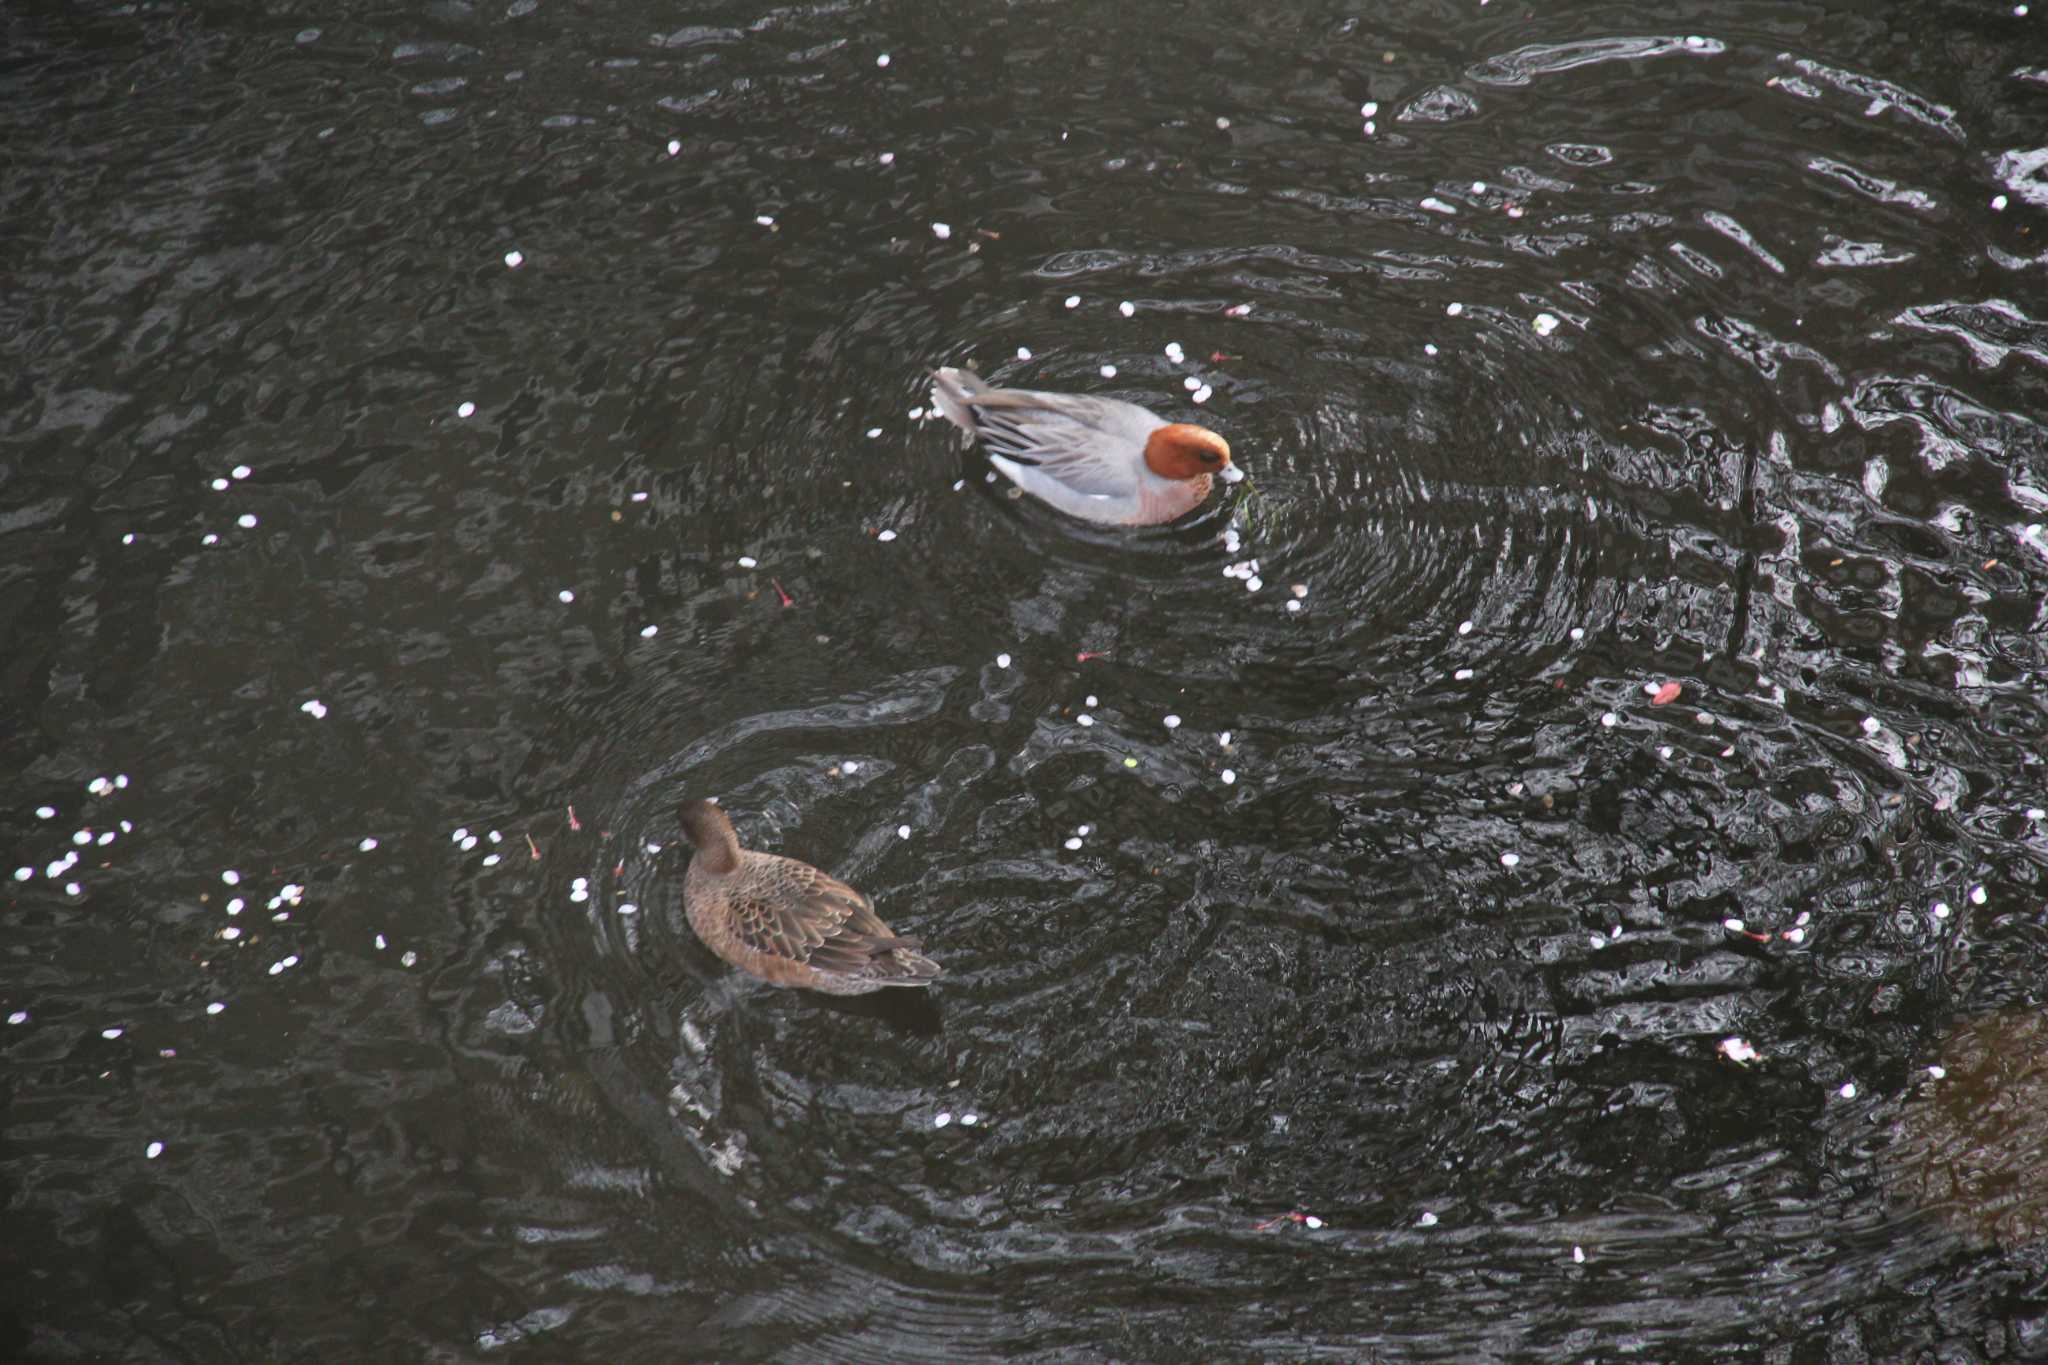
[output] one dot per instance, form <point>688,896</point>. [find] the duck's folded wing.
<point>813,919</point>
<point>1059,443</point>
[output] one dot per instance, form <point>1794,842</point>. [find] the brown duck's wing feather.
<point>792,911</point>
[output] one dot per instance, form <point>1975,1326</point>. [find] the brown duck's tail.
<point>952,392</point>
<point>903,965</point>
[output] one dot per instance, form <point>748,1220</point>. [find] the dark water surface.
<point>1614,347</point>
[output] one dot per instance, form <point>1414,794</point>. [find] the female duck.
<point>785,921</point>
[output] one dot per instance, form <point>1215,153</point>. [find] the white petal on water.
<point>1127,308</point>
<point>1578,632</point>
<point>886,536</point>
<point>1173,722</point>
<point>1002,661</point>
<point>368,843</point>
<point>1203,395</point>
<point>629,909</point>
<point>1978,895</point>
<point>566,596</point>
<point>1229,776</point>
<point>18,1017</point>
<point>1223,740</point>
<point>493,859</point>
<point>1462,675</point>
<point>940,1120</point>
<point>882,60</point>
<point>1073,300</point>
<point>649,632</point>
<point>153,1151</point>
<point>1084,720</point>
<point>1073,844</point>
<point>1610,720</point>
<point>459,835</point>
<point>1084,830</point>
<point>1871,725</point>
<point>1941,910</point>
<point>1510,859</point>
<point>887,158</point>
<point>942,230</point>
<point>748,561</point>
<point>1023,353</point>
<point>246,521</point>
<point>1191,383</point>
<point>219,485</point>
<point>22,874</point>
<point>1175,353</point>
<point>1733,925</point>
<point>764,220</point>
<point>1108,372</point>
<point>315,708</point>
<point>1254,583</point>
<point>1545,324</point>
<point>209,539</point>
<point>1848,1090</point>
<point>674,147</point>
<point>231,877</point>
<point>1091,701</point>
<point>1293,605</point>
<point>1427,1220</point>
<point>236,905</point>
<point>874,432</point>
<point>903,831</point>
<point>1464,627</point>
<point>1938,1071</point>
<point>1455,309</point>
<point>215,1007</point>
<point>849,767</point>
<point>513,260</point>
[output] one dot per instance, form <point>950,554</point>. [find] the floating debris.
<point>1739,1050</point>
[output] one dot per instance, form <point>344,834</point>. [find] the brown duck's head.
<point>1182,450</point>
<point>711,834</point>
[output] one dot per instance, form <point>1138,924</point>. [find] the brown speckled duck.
<point>785,921</point>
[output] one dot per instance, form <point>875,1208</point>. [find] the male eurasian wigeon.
<point>1099,459</point>
<point>785,921</point>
